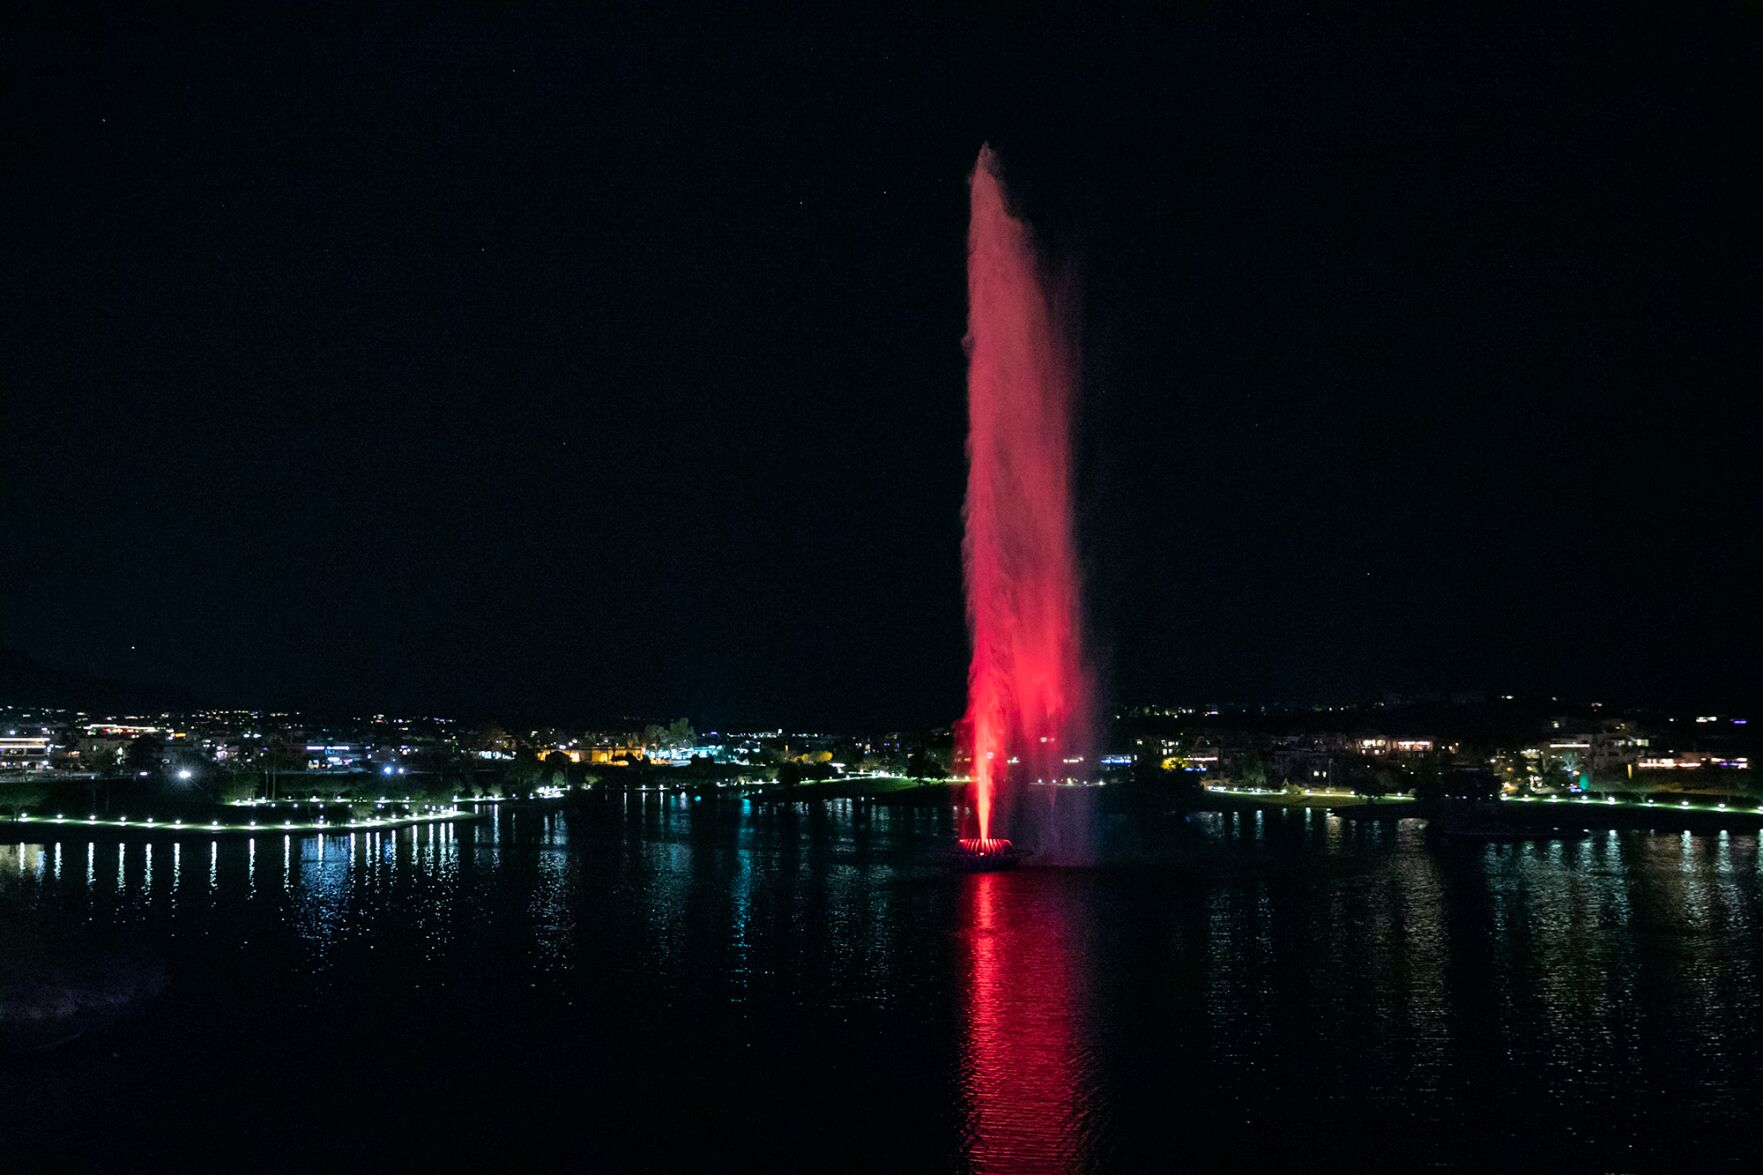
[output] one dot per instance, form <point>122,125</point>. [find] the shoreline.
<point>62,827</point>
<point>1527,812</point>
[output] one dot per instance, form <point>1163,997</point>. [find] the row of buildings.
<point>75,742</point>
<point>1563,752</point>
<point>1335,747</point>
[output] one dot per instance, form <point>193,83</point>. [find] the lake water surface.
<point>656,983</point>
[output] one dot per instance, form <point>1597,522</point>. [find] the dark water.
<point>664,985</point>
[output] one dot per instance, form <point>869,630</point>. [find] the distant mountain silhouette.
<point>26,681</point>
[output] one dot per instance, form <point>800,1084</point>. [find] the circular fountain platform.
<point>975,855</point>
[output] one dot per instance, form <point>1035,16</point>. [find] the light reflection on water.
<point>1024,1056</point>
<point>1279,981</point>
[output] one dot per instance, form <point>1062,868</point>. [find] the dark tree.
<point>145,756</point>
<point>922,763</point>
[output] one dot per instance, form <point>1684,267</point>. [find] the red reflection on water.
<point>1024,1066</point>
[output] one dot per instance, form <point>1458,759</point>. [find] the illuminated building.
<point>25,752</point>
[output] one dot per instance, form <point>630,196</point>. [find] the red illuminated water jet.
<point>1029,685</point>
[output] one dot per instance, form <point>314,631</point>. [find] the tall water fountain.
<point>1029,686</point>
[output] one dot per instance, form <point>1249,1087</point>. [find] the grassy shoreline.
<point>1677,814</point>
<point>91,828</point>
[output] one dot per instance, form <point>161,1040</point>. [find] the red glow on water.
<point>1028,685</point>
<point>1026,1078</point>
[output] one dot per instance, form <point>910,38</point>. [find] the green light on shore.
<point>320,826</point>
<point>1274,795</point>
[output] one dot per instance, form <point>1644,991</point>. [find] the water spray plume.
<point>1029,687</point>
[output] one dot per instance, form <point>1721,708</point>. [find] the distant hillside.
<point>26,681</point>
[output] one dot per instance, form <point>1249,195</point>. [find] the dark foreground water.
<point>654,983</point>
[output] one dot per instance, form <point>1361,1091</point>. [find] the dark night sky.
<point>494,361</point>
